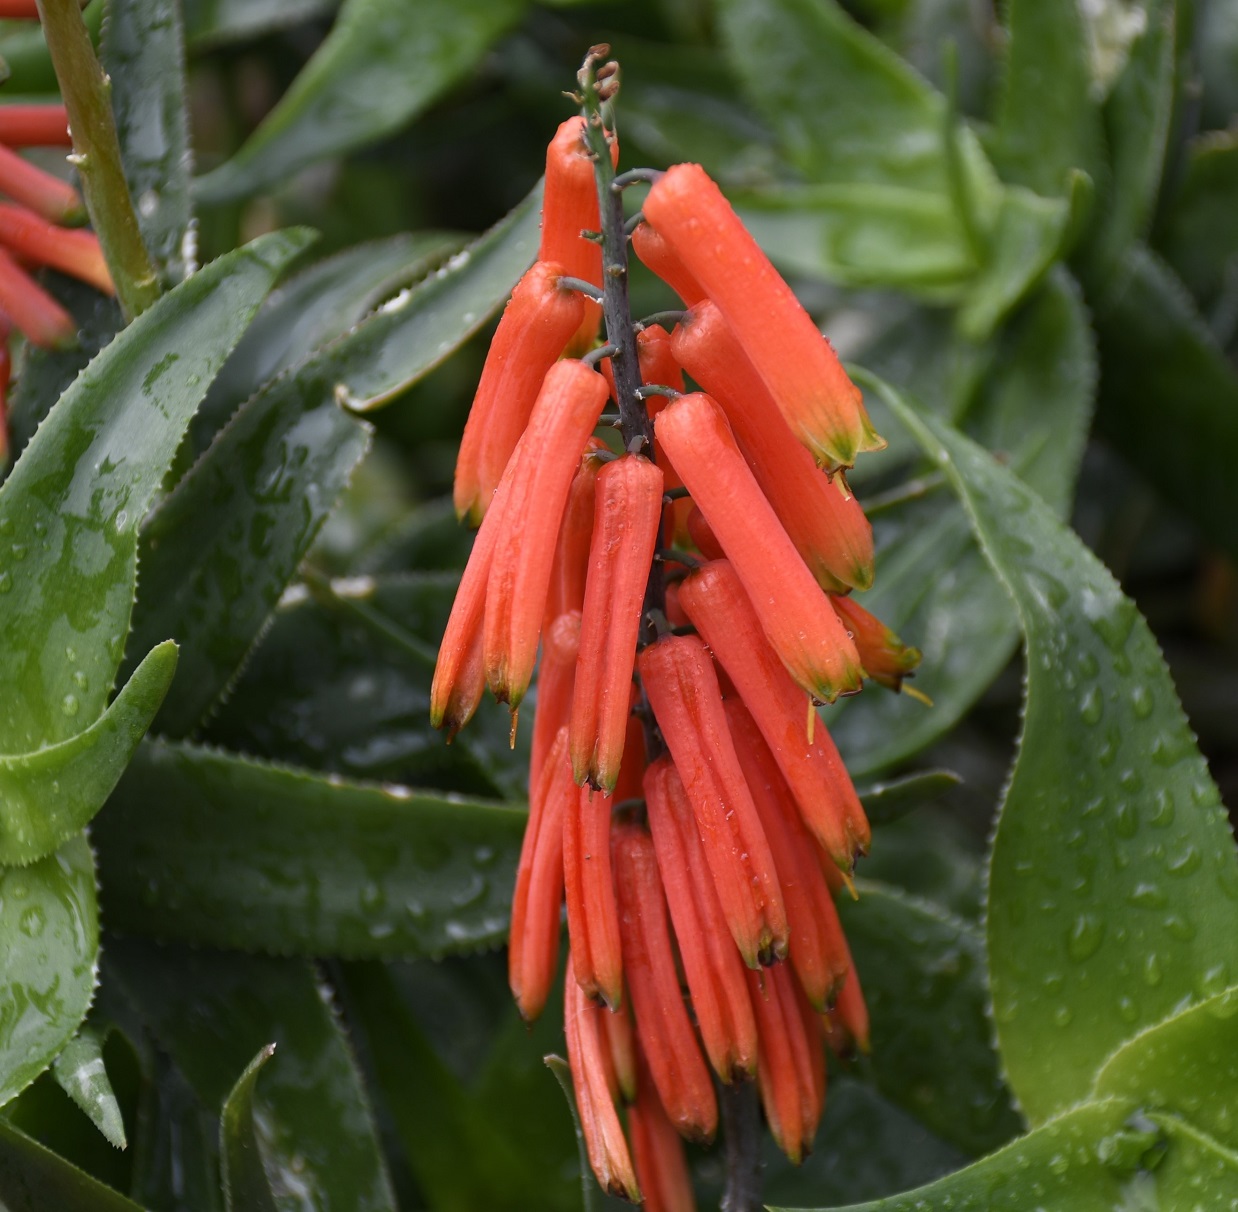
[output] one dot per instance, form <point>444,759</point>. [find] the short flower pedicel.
<point>685,801</point>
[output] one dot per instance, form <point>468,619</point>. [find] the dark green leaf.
<point>1047,122</point>
<point>1107,772</point>
<point>143,52</point>
<point>50,794</point>
<point>208,848</point>
<point>34,1179</point>
<point>1057,1167</point>
<point>49,941</point>
<point>210,1010</point>
<point>82,1075</point>
<point>217,22</point>
<point>563,1075</point>
<point>922,971</point>
<point>887,801</point>
<point>1169,396</point>
<point>384,62</point>
<point>70,511</point>
<point>246,1186</point>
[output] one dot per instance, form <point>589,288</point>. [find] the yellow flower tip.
<point>848,879</point>
<point>812,719</point>
<point>511,736</point>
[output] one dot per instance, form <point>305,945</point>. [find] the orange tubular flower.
<point>655,254</point>
<point>702,535</point>
<point>662,1024</point>
<point>720,609</point>
<point>35,314</point>
<point>570,206</point>
<point>628,508</point>
<point>658,1152</point>
<point>34,126</point>
<point>592,915</point>
<point>711,963</point>
<point>846,1025</point>
<point>76,253</point>
<point>824,409</point>
<point>539,319</point>
<point>818,950</point>
<point>571,563</point>
<point>533,949</point>
<point>599,1122</point>
<point>566,411</point>
<point>828,528</point>
<point>619,1040</point>
<point>794,612</point>
<point>682,688</point>
<point>791,1074</point>
<point>658,365</point>
<point>555,678</point>
<point>54,199</point>
<point>886,659</point>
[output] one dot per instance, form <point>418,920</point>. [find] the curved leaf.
<point>218,22</point>
<point>212,849</point>
<point>888,800</point>
<point>49,942</point>
<point>81,1074</point>
<point>1111,827</point>
<point>34,1179</point>
<point>246,1186</point>
<point>49,795</point>
<point>383,63</point>
<point>70,511</point>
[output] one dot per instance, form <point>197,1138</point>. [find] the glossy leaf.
<point>890,799</point>
<point>1057,1167</point>
<point>219,22</point>
<point>143,52</point>
<point>1169,396</point>
<point>246,1186</point>
<point>49,940</point>
<point>384,62</point>
<point>208,1009</point>
<point>50,794</point>
<point>923,975</point>
<point>1111,825</point>
<point>1046,121</point>
<point>217,553</point>
<point>34,1179</point>
<point>70,511</point>
<point>207,848</point>
<point>82,1075</point>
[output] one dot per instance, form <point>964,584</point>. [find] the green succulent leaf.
<point>1111,825</point>
<point>143,52</point>
<point>70,511</point>
<point>246,1185</point>
<point>890,799</point>
<point>80,1072</point>
<point>49,942</point>
<point>212,849</point>
<point>34,1179</point>
<point>50,794</point>
<point>923,975</point>
<point>384,62</point>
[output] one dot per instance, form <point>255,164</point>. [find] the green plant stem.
<point>87,97</point>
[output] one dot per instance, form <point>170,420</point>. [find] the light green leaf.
<point>34,1179</point>
<point>384,62</point>
<point>1111,826</point>
<point>49,941</point>
<point>1058,1166</point>
<point>246,1186</point>
<point>70,511</point>
<point>82,1075</point>
<point>143,53</point>
<point>922,972</point>
<point>212,849</point>
<point>50,794</point>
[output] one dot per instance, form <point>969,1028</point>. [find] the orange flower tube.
<point>818,950</point>
<point>34,125</point>
<point>592,915</point>
<point>76,253</point>
<point>35,314</point>
<point>619,1040</point>
<point>679,681</point>
<point>824,409</point>
<point>720,609</point>
<point>846,1025</point>
<point>533,948</point>
<point>658,365</point>
<point>571,562</point>
<point>656,255</point>
<point>795,614</point>
<point>537,323</point>
<point>566,411</point>
<point>628,509</point>
<point>570,206</point>
<point>657,1150</point>
<point>886,659</point>
<point>599,1122</point>
<point>828,528</point>
<point>662,1025</point>
<point>54,199</point>
<point>710,960</point>
<point>555,678</point>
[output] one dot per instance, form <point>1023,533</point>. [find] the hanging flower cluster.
<point>685,799</point>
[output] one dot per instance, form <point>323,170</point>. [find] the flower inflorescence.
<point>685,799</point>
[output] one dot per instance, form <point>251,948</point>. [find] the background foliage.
<point>1022,220</point>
